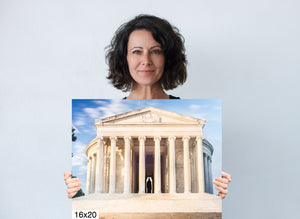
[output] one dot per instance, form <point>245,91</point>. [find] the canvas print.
<point>147,156</point>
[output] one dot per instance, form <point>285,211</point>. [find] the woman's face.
<point>145,58</point>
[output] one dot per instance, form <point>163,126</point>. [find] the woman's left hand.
<point>222,184</point>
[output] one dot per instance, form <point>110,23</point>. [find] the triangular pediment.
<point>150,115</point>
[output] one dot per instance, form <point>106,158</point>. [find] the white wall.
<point>243,52</point>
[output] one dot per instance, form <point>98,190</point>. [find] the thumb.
<point>67,175</point>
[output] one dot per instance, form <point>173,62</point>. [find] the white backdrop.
<point>243,52</point>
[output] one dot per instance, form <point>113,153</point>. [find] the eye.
<point>156,51</point>
<point>136,52</point>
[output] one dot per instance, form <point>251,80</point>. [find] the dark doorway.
<point>149,185</point>
<point>149,164</point>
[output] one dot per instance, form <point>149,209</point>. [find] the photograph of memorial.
<point>129,153</point>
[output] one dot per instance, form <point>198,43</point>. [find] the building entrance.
<point>149,185</point>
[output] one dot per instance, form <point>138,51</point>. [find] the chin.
<point>146,82</point>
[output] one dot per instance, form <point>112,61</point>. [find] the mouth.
<point>146,71</point>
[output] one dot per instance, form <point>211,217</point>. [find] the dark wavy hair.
<point>163,32</point>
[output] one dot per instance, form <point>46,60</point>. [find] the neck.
<point>148,92</point>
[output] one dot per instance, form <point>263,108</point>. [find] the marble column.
<point>157,174</point>
<point>99,168</point>
<point>200,173</point>
<point>167,174</point>
<point>172,167</point>
<point>133,170</point>
<point>209,175</point>
<point>88,177</point>
<point>186,161</point>
<point>206,172</point>
<point>112,173</point>
<point>92,188</point>
<point>127,165</point>
<point>142,164</point>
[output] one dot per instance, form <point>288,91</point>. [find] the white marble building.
<point>149,150</point>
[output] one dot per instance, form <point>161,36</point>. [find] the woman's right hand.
<point>73,184</point>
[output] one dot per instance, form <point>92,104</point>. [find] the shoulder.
<point>173,97</point>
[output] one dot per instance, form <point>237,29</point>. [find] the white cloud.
<point>200,115</point>
<point>107,109</point>
<point>78,159</point>
<point>78,146</point>
<point>113,108</point>
<point>82,170</point>
<point>79,156</point>
<point>100,102</point>
<point>79,122</point>
<point>194,107</point>
<point>80,119</point>
<point>197,107</point>
<point>92,112</point>
<point>92,131</point>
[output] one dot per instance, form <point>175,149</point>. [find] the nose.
<point>146,59</point>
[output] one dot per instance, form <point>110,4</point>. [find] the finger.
<point>72,180</point>
<point>227,176</point>
<point>71,195</point>
<point>222,180</point>
<point>223,185</point>
<point>74,185</point>
<point>67,175</point>
<point>221,195</point>
<point>224,191</point>
<point>72,190</point>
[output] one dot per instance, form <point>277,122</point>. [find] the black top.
<point>170,97</point>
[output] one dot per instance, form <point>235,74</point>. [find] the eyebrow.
<point>139,47</point>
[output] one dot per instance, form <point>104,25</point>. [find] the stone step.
<point>176,215</point>
<point>164,205</point>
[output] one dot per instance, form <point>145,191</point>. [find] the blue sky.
<point>85,111</point>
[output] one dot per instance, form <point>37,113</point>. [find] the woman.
<point>147,57</point>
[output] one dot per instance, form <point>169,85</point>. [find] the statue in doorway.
<point>149,185</point>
